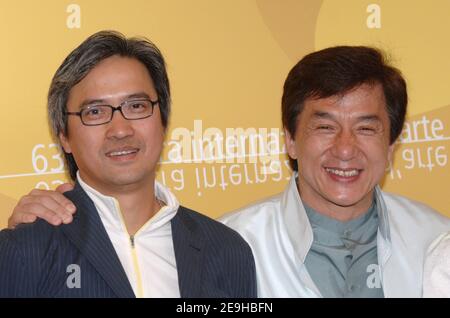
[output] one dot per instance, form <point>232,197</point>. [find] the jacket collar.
<point>300,231</point>
<point>188,243</point>
<point>296,220</point>
<point>110,213</point>
<point>384,233</point>
<point>88,234</point>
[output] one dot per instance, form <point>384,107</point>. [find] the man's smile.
<point>343,175</point>
<point>123,153</point>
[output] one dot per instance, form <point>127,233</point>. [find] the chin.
<point>132,178</point>
<point>345,199</point>
<point>124,179</point>
<point>345,203</point>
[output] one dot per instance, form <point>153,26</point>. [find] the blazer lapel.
<point>188,245</point>
<point>88,234</point>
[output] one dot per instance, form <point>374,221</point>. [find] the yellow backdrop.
<point>227,61</point>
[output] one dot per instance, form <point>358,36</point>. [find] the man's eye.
<point>138,106</point>
<point>368,130</point>
<point>92,112</point>
<point>325,127</point>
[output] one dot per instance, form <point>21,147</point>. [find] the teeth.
<point>342,173</point>
<point>121,153</point>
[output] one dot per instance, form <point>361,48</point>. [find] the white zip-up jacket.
<point>280,235</point>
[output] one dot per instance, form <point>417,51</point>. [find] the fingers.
<point>58,197</point>
<point>27,213</point>
<point>54,202</point>
<point>64,187</point>
<point>19,217</point>
<point>51,206</point>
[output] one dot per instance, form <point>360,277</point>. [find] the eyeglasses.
<point>95,115</point>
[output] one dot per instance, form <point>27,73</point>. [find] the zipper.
<point>134,258</point>
<point>137,271</point>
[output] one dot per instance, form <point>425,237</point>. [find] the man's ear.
<point>391,152</point>
<point>290,144</point>
<point>64,143</point>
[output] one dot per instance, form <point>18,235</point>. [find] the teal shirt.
<point>343,260</point>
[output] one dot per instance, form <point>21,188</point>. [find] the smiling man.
<point>333,232</point>
<point>108,105</point>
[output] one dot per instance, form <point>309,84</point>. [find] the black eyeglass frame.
<point>119,108</point>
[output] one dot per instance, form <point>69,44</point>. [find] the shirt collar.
<point>337,227</point>
<point>109,209</point>
<point>299,228</point>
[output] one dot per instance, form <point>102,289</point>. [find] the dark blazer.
<point>36,259</point>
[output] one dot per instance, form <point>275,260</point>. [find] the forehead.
<point>114,77</point>
<point>360,101</point>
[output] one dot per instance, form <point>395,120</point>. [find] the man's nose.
<point>119,127</point>
<point>345,146</point>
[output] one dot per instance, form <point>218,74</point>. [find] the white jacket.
<point>280,235</point>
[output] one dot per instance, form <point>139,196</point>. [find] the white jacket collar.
<point>109,209</point>
<point>300,231</point>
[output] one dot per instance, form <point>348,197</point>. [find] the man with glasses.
<point>129,237</point>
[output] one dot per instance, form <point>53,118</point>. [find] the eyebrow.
<point>369,118</point>
<point>88,102</point>
<point>325,115</point>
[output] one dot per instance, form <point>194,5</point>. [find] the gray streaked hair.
<point>84,58</point>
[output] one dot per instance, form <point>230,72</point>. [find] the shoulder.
<point>30,243</point>
<point>36,234</point>
<point>414,222</point>
<point>24,254</point>
<point>254,215</point>
<point>402,201</point>
<point>401,205</point>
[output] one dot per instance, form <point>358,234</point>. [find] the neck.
<point>137,201</point>
<point>138,207</point>
<point>335,211</point>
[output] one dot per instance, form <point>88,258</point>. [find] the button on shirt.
<point>148,257</point>
<point>342,260</point>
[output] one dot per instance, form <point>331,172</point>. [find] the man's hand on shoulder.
<point>52,206</point>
